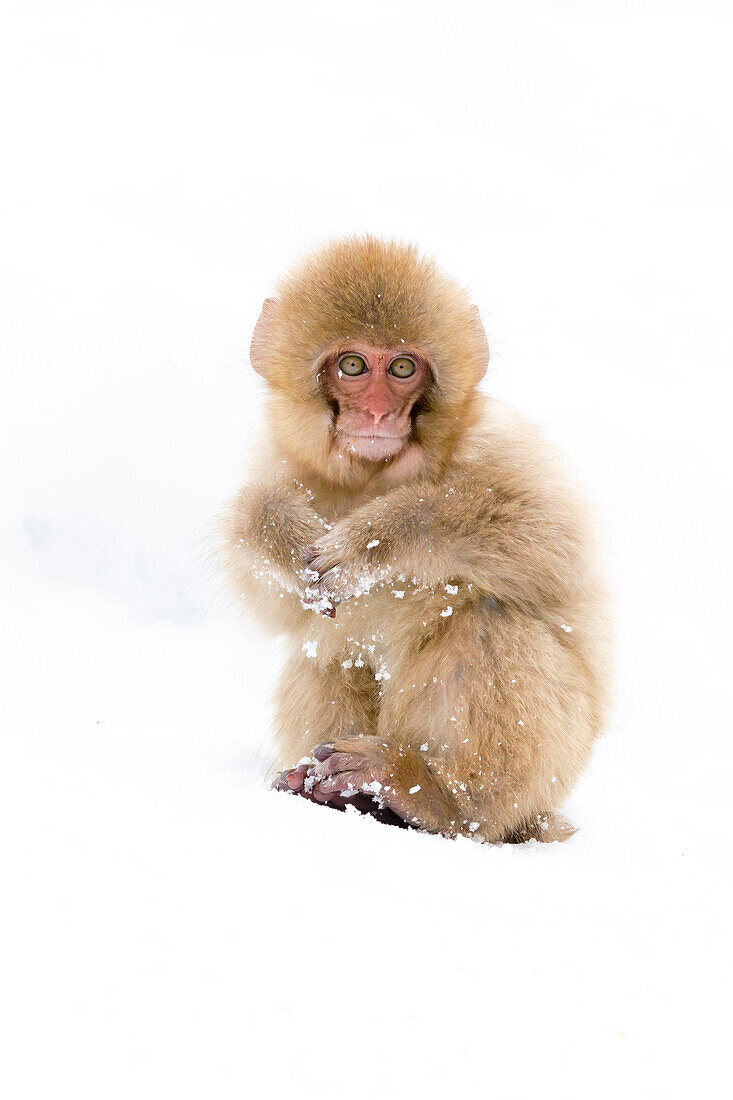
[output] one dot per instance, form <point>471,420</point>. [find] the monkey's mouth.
<point>374,444</point>
<point>374,435</point>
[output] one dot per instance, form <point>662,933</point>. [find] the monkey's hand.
<point>342,566</point>
<point>394,777</point>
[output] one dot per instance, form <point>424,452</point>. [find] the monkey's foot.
<point>395,778</point>
<point>300,781</point>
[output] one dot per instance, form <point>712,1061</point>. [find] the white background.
<point>172,928</point>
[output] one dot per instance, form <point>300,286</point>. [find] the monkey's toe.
<point>323,751</point>
<point>292,779</point>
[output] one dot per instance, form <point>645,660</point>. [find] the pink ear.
<point>481,340</point>
<point>261,336</point>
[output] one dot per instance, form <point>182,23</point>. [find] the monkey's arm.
<point>270,523</point>
<point>515,542</point>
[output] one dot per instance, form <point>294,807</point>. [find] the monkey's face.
<point>373,391</point>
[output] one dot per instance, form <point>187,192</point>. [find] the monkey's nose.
<point>378,408</point>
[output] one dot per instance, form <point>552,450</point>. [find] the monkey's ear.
<point>481,341</point>
<point>261,335</point>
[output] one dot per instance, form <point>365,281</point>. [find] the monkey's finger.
<point>315,600</point>
<point>327,567</point>
<point>309,553</point>
<point>331,575</point>
<point>315,558</point>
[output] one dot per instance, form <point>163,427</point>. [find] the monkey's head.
<point>372,356</point>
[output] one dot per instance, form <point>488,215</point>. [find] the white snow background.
<point>171,928</point>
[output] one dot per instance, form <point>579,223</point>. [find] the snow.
<point>170,927</point>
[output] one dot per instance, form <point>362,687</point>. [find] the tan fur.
<point>491,708</point>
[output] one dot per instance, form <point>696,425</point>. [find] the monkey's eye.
<point>402,367</point>
<point>352,364</point>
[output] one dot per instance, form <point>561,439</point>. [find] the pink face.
<point>375,389</point>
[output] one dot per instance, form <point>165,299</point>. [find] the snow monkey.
<point>420,548</point>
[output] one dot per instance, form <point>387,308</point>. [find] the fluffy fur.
<point>465,672</point>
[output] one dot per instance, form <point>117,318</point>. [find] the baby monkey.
<point>423,553</point>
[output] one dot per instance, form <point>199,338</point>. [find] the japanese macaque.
<point>420,548</point>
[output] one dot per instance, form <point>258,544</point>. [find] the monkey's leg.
<point>314,703</point>
<point>482,732</point>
